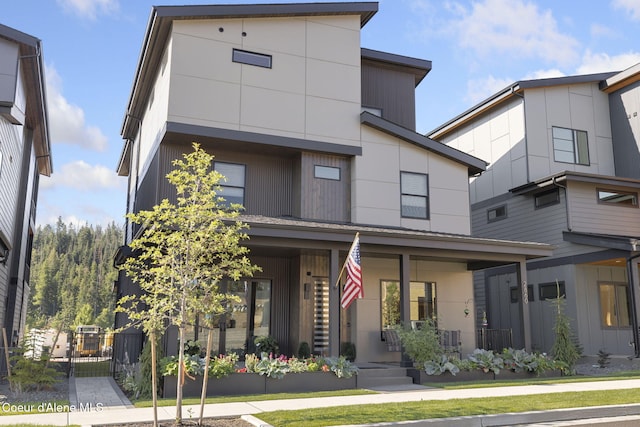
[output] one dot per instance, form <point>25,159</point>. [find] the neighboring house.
<point>564,169</point>
<point>25,154</point>
<point>316,137</point>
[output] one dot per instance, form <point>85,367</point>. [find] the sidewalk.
<point>100,401</point>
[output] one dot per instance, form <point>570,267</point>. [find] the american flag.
<point>353,286</point>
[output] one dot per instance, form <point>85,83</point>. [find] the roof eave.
<point>475,165</point>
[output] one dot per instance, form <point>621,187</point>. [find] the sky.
<point>91,49</point>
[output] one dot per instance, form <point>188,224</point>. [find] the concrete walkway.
<point>100,401</point>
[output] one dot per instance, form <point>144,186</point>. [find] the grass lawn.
<point>405,411</point>
<point>252,397</point>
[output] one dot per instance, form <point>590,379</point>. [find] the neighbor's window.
<point>614,305</point>
<point>326,172</point>
<point>547,198</point>
<point>615,197</point>
<point>231,188</point>
<point>570,146</point>
<point>251,58</point>
<point>551,290</point>
<point>497,213</point>
<point>415,195</point>
<point>515,292</point>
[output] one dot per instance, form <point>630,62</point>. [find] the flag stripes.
<point>353,285</point>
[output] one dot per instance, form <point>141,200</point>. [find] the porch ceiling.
<point>282,234</point>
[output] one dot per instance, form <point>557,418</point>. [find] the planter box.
<point>421,377</point>
<point>244,384</point>
<point>309,381</point>
<point>234,384</point>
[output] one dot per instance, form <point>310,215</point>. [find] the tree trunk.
<point>205,378</point>
<point>154,379</point>
<point>180,374</point>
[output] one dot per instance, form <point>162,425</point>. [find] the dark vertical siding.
<point>325,199</point>
<point>269,179</point>
<point>390,90</point>
<point>279,271</point>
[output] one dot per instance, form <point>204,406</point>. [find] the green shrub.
<point>304,352</point>
<point>29,374</point>
<point>348,350</point>
<point>422,344</point>
<point>267,344</point>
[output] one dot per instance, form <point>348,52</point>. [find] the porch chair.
<point>450,341</point>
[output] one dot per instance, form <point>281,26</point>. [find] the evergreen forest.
<point>72,276</point>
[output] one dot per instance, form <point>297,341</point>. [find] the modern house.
<point>564,169</point>
<point>316,137</point>
<point>25,154</point>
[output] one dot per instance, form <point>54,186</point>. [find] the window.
<point>551,290</point>
<point>251,58</point>
<point>496,214</point>
<point>415,195</point>
<point>231,188</point>
<point>515,294</point>
<point>615,197</point>
<point>570,146</point>
<point>326,172</point>
<point>422,299</point>
<point>547,198</point>
<point>390,303</point>
<point>614,305</point>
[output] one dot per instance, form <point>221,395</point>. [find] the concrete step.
<point>382,372</point>
<point>373,382</point>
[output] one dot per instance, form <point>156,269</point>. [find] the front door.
<point>248,318</point>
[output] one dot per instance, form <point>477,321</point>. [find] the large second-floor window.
<point>231,188</point>
<point>570,146</point>
<point>415,195</point>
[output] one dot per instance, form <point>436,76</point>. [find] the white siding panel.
<point>587,215</point>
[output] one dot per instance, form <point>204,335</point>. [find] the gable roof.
<point>509,92</point>
<point>474,164</point>
<point>621,79</point>
<point>36,117</point>
<point>419,67</point>
<point>162,17</point>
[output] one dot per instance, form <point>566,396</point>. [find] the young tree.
<point>184,251</point>
<point>565,347</point>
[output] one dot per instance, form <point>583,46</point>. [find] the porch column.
<point>405,303</point>
<point>526,316</point>
<point>634,282</point>
<point>334,304</point>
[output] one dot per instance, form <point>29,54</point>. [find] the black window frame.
<point>544,293</point>
<point>425,196</point>
<point>497,217</point>
<point>633,204</point>
<point>576,146</point>
<point>537,196</point>
<point>315,172</point>
<point>223,184</point>
<point>247,57</point>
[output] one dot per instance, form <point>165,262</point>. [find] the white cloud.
<point>600,31</point>
<point>82,176</point>
<point>66,121</point>
<point>544,74</point>
<point>90,9</point>
<point>480,89</point>
<point>630,6</point>
<point>602,62</point>
<point>514,28</point>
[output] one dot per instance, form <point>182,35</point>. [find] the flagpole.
<point>344,264</point>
